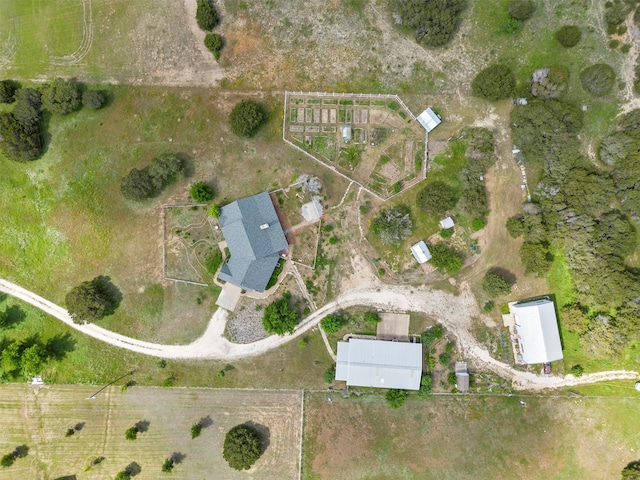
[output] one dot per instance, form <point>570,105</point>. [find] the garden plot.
<point>191,252</point>
<point>372,140</point>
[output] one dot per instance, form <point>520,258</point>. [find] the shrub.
<point>430,336</point>
<point>446,232</point>
<point>7,91</point>
<point>214,211</point>
<point>201,192</point>
<point>151,180</point>
<point>196,430</point>
<point>213,261</point>
<point>242,447</point>
<point>131,433</point>
<point>161,363</point>
<point>213,42</point>
<point>90,301</point>
<point>568,36</point>
<point>246,117</point>
<point>625,48</point>
<point>520,9</point>
<point>207,15</point>
<point>631,471</point>
<point>330,374</point>
<point>434,21</point>
<point>478,224</point>
<point>62,97</point>
<point>444,359</point>
<point>395,398</point>
<point>602,342</point>
<point>451,378</point>
<point>574,319</point>
<point>7,460</point>
<point>487,307</point>
<point>93,99</point>
<point>617,13</point>
<point>332,323</point>
<point>167,466</point>
<point>577,370</point>
<point>123,475</point>
<point>220,374</point>
<point>494,83</point>
<point>21,129</point>
<point>426,382</point>
<point>446,258</point>
<point>371,317</point>
<point>278,317</point>
<point>511,26</point>
<point>614,43</point>
<point>495,284</point>
<point>598,79</point>
<point>393,225</point>
<point>436,198</point>
<point>70,432</point>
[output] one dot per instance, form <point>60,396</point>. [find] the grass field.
<point>132,42</point>
<point>40,417</point>
<point>461,438</point>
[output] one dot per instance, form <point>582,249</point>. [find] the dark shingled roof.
<point>254,250</point>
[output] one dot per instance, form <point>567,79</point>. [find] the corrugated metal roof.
<point>421,252</point>
<point>381,364</point>
<point>254,248</point>
<point>446,223</point>
<point>537,326</point>
<point>429,120</point>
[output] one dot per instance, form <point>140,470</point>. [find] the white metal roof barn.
<point>379,363</point>
<point>429,119</point>
<point>537,329</point>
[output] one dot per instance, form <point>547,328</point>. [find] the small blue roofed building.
<point>255,239</point>
<point>429,119</point>
<point>421,252</point>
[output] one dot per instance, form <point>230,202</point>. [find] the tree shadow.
<point>504,273</point>
<point>263,431</point>
<point>12,316</point>
<point>67,477</point>
<point>177,457</point>
<point>79,426</point>
<point>228,367</point>
<point>58,346</point>
<point>142,426</point>
<point>188,166</point>
<point>133,468</point>
<point>21,451</point>
<point>104,283</point>
<point>205,422</point>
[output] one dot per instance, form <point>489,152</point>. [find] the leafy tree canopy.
<point>246,117</point>
<point>598,79</point>
<point>631,471</point>
<point>494,83</point>
<point>201,192</point>
<point>445,258</point>
<point>214,44</point>
<point>568,35</point>
<point>395,398</point>
<point>278,317</point>
<point>62,97</point>
<point>393,225</point>
<point>151,180</point>
<point>434,21</point>
<point>242,447</point>
<point>93,99</point>
<point>7,91</point>
<point>495,284</point>
<point>332,323</point>
<point>90,301</point>
<point>436,198</point>
<point>207,15</point>
<point>520,9</point>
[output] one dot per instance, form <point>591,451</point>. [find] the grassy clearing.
<point>40,421</point>
<point>64,217</point>
<point>468,437</point>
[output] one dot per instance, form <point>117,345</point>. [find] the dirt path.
<point>454,312</point>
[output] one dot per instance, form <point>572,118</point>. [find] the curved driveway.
<point>454,312</point>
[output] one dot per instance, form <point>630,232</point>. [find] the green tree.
<point>11,355</point>
<point>137,185</point>
<point>520,9</point>
<point>445,258</point>
<point>167,466</point>
<point>201,192</point>
<point>426,381</point>
<point>278,317</point>
<point>246,118</point>
<point>214,211</point>
<point>495,284</point>
<point>123,475</point>
<point>393,225</point>
<point>151,180</point>
<point>568,36</point>
<point>213,42</point>
<point>598,79</point>
<point>436,198</point>
<point>93,99</point>
<point>131,433</point>
<point>32,359</point>
<point>434,21</point>
<point>535,257</point>
<point>90,301</point>
<point>242,447</point>
<point>21,142</point>
<point>7,91</point>
<point>494,83</point>
<point>603,341</point>
<point>62,97</point>
<point>631,471</point>
<point>395,398</point>
<point>332,323</point>
<point>7,460</point>
<point>577,371</point>
<point>207,15</point>
<point>196,430</point>
<point>28,107</point>
<point>330,374</point>
<point>574,318</point>
<point>164,170</point>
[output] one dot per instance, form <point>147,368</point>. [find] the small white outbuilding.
<point>421,252</point>
<point>446,223</point>
<point>429,119</point>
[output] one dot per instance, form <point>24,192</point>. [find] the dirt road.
<point>454,312</point>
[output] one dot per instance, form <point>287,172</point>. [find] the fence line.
<point>187,281</point>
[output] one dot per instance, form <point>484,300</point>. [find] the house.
<point>380,363</point>
<point>255,239</point>
<point>446,223</point>
<point>346,133</point>
<point>429,119</point>
<point>421,252</point>
<point>536,331</point>
<point>462,377</point>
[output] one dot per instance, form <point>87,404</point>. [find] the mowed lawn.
<point>39,418</point>
<point>462,438</point>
